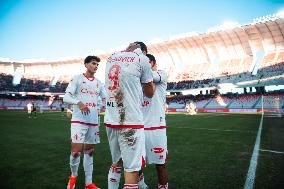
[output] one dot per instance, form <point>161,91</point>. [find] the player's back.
<point>124,73</point>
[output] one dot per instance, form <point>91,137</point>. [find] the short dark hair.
<point>142,46</point>
<point>89,59</point>
<point>151,57</point>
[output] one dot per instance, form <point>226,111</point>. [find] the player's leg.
<point>156,153</point>
<point>88,166</point>
<point>132,146</point>
<point>141,180</point>
<point>115,170</point>
<point>76,150</point>
<point>91,138</point>
<point>162,176</point>
<point>30,113</point>
<point>114,175</point>
<point>77,137</point>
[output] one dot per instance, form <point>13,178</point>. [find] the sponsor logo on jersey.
<point>88,91</point>
<point>91,104</point>
<point>145,103</point>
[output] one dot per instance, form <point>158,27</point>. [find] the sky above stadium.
<point>56,29</point>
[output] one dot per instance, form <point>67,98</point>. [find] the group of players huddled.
<point>134,94</point>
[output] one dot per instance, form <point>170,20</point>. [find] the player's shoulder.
<point>77,76</point>
<point>162,72</point>
<point>98,81</point>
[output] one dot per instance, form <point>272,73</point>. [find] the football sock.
<point>88,168</point>
<point>74,164</point>
<point>166,186</point>
<point>114,176</point>
<point>131,186</point>
<point>141,182</point>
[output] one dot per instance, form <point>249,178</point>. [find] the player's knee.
<point>160,167</point>
<point>76,154</point>
<point>89,151</point>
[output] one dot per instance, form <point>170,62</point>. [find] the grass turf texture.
<point>205,151</point>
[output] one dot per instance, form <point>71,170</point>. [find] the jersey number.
<point>113,76</point>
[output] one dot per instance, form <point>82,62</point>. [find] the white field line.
<point>253,162</point>
<point>272,151</point>
<point>208,129</point>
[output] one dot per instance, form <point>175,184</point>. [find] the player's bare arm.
<point>149,89</point>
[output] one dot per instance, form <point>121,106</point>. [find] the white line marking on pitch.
<point>225,130</point>
<point>272,151</point>
<point>253,162</point>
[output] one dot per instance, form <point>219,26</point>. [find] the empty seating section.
<point>244,101</point>
<point>271,101</point>
<point>201,103</point>
<point>31,84</point>
<point>219,102</point>
<point>12,102</point>
<point>232,70</point>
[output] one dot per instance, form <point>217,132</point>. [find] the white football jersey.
<point>125,71</point>
<point>29,106</point>
<point>153,108</point>
<point>88,91</point>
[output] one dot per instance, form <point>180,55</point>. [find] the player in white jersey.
<point>29,108</point>
<point>190,108</point>
<point>128,74</point>
<point>155,127</point>
<point>83,92</point>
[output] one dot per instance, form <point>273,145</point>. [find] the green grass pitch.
<point>208,150</point>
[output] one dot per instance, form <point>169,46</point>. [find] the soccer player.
<point>190,108</point>
<point>83,92</point>
<point>62,108</point>
<point>128,74</point>
<point>155,127</point>
<point>29,108</point>
<point>34,109</point>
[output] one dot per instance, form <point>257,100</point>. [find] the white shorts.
<point>84,134</point>
<point>156,146</point>
<point>29,111</point>
<point>128,144</point>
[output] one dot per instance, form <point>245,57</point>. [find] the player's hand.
<point>84,109</point>
<point>132,47</point>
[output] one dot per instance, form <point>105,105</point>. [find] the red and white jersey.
<point>87,91</point>
<point>125,71</point>
<point>153,108</point>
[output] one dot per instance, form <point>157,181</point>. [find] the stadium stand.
<point>237,56</point>
<point>244,101</point>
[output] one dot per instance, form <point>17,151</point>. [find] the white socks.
<point>166,186</point>
<point>130,186</point>
<point>88,167</point>
<point>114,176</point>
<point>141,182</point>
<point>74,164</point>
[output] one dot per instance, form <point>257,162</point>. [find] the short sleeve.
<point>147,74</point>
